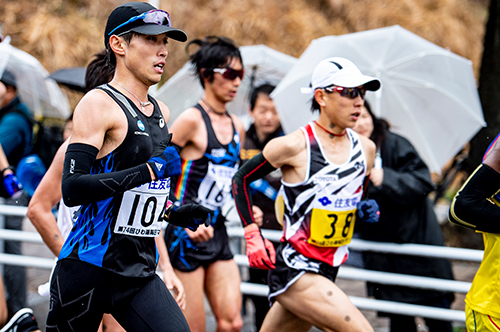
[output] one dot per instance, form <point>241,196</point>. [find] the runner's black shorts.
<point>80,293</point>
<point>290,266</point>
<point>187,255</point>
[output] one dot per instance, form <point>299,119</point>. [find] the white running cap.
<point>340,72</point>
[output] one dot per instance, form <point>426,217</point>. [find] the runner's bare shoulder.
<point>284,150</point>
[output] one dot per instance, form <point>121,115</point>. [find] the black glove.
<point>165,160</point>
<point>368,211</point>
<point>190,216</point>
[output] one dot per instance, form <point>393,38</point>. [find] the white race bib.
<point>143,209</point>
<point>215,188</point>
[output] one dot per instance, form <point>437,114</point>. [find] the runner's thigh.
<point>152,309</point>
<point>222,286</point>
<point>78,297</point>
<point>319,301</point>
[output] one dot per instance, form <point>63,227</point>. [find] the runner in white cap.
<point>324,165</point>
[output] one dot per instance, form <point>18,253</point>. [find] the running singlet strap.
<point>80,187</point>
<point>254,169</point>
<point>472,206</point>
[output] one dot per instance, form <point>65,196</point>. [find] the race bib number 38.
<point>143,209</point>
<point>331,228</point>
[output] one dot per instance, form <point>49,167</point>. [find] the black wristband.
<point>12,168</point>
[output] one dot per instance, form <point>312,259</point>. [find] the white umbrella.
<point>39,93</point>
<point>428,94</point>
<point>262,65</point>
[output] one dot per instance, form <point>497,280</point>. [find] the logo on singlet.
<point>326,178</point>
<point>218,153</point>
<point>140,125</point>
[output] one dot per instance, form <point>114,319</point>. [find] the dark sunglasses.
<point>351,93</point>
<point>230,73</point>
<point>156,16</point>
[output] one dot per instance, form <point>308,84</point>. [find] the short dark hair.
<point>265,89</point>
<point>9,79</point>
<point>110,56</point>
<point>214,52</point>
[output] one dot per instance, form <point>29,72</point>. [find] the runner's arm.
<point>98,133</point>
<point>46,196</point>
<point>254,169</point>
<point>472,207</point>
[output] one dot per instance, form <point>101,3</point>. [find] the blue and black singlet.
<point>118,233</point>
<point>207,180</point>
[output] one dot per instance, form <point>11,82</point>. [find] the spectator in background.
<point>400,183</point>
<point>266,126</point>
<point>16,136</point>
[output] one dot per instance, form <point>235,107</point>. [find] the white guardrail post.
<point>344,272</point>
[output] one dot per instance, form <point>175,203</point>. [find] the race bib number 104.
<point>143,209</point>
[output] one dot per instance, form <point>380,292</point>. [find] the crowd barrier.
<point>345,272</point>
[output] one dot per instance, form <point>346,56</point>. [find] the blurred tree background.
<point>67,33</point>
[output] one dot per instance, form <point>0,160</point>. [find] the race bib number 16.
<point>143,209</point>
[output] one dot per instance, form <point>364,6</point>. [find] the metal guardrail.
<point>344,273</point>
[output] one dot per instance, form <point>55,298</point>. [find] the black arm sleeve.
<point>80,187</point>
<point>252,170</point>
<point>472,207</point>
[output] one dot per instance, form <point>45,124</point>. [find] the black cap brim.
<point>155,29</point>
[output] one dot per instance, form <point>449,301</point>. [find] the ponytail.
<point>100,70</point>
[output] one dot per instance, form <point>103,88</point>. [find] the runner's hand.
<point>165,160</point>
<point>260,251</point>
<point>190,216</point>
<point>12,185</point>
<point>202,234</point>
<point>368,211</point>
<point>175,286</point>
<point>258,215</point>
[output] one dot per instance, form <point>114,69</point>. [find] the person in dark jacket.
<point>266,126</point>
<point>16,135</point>
<point>400,183</point>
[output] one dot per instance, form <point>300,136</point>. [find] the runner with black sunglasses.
<point>324,165</point>
<point>209,139</point>
<point>117,167</point>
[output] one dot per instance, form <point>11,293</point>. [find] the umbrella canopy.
<point>39,93</point>
<point>262,65</point>
<point>73,78</point>
<point>428,94</point>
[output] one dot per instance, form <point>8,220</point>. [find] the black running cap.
<point>123,13</point>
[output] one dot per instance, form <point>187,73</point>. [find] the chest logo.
<point>324,201</point>
<point>162,123</point>
<point>218,153</point>
<point>140,125</point>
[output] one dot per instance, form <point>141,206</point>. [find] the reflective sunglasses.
<point>230,73</point>
<point>351,93</point>
<point>156,16</point>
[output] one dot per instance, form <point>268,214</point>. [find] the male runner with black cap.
<point>117,167</point>
<point>324,165</point>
